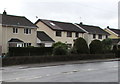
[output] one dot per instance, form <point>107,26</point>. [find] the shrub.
<point>118,46</point>
<point>107,44</point>
<point>81,47</point>
<point>118,53</point>
<point>60,44</point>
<point>96,47</point>
<point>72,51</point>
<point>114,50</point>
<point>60,48</point>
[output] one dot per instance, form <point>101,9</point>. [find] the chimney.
<point>81,23</point>
<point>108,27</point>
<point>4,13</point>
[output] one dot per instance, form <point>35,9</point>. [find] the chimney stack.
<point>81,23</point>
<point>4,13</point>
<point>108,27</point>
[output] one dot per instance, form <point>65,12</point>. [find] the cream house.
<point>16,31</point>
<point>93,32</point>
<point>114,34</point>
<point>60,31</point>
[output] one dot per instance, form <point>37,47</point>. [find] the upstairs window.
<point>76,34</point>
<point>15,30</point>
<point>94,36</point>
<point>58,33</point>
<point>99,36</point>
<point>106,36</point>
<point>27,31</point>
<point>69,34</point>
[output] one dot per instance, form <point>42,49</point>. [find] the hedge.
<point>29,51</point>
<point>117,53</point>
<point>43,59</point>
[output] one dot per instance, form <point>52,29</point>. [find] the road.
<point>87,72</point>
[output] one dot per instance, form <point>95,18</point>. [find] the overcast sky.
<point>101,13</point>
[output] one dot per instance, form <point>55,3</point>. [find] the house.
<point>114,35</point>
<point>60,31</point>
<point>16,31</point>
<point>93,32</point>
<point>44,40</point>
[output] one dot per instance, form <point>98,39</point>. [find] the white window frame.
<point>15,30</point>
<point>27,31</point>
<point>27,44</point>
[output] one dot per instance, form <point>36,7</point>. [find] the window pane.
<point>77,34</point>
<point>24,44</point>
<point>16,30</point>
<point>26,31</point>
<point>29,31</point>
<point>58,33</point>
<point>94,35</point>
<point>69,34</point>
<point>106,36</point>
<point>100,36</point>
<point>29,44</point>
<point>13,30</point>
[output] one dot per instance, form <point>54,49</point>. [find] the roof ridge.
<point>89,25</point>
<point>55,21</point>
<point>113,28</point>
<point>13,15</point>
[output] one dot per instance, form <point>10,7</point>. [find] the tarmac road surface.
<point>87,72</point>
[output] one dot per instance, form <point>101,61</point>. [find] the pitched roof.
<point>61,26</point>
<point>16,21</point>
<point>44,37</point>
<point>15,40</point>
<point>93,29</point>
<point>117,31</point>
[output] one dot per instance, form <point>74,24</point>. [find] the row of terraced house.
<point>18,31</point>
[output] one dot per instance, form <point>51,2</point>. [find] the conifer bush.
<point>81,47</point>
<point>96,47</point>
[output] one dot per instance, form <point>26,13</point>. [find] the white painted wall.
<point>89,37</point>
